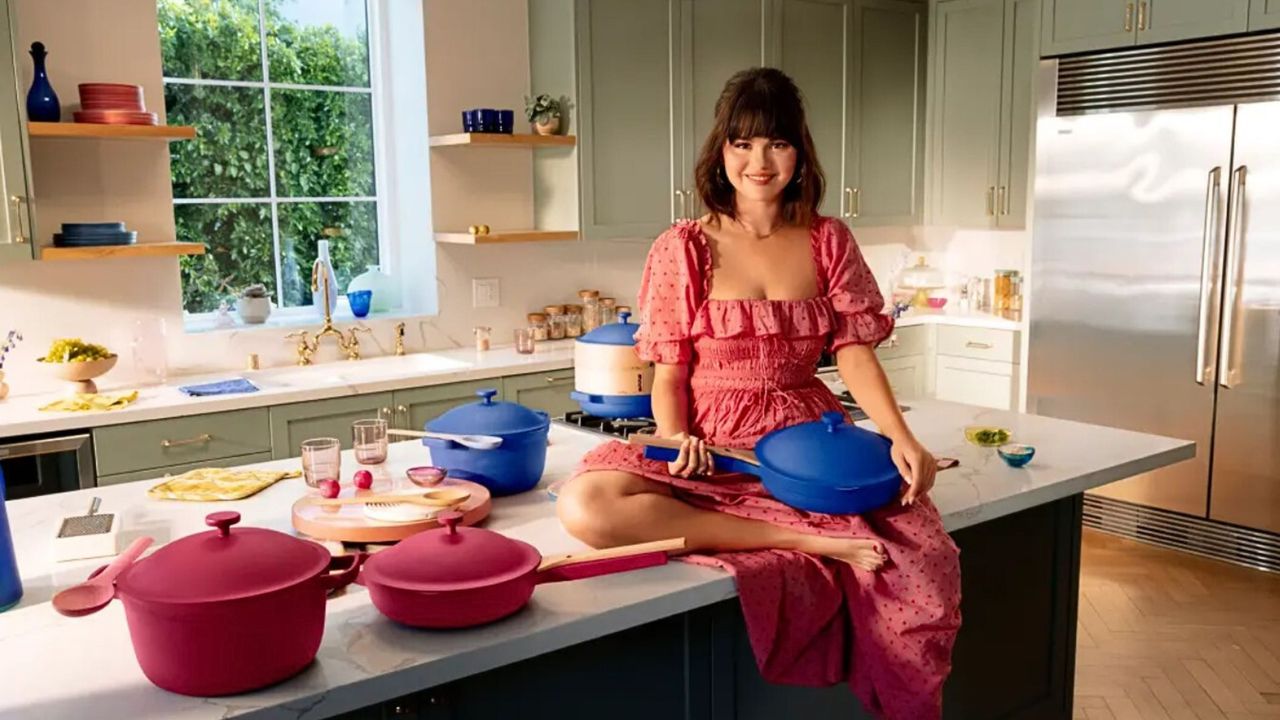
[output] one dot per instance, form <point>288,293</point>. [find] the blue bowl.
<point>1015,454</point>
<point>360,301</point>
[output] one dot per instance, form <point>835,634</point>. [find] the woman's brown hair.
<point>761,102</point>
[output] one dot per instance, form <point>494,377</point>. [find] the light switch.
<point>486,292</point>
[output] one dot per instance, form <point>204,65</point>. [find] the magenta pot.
<point>229,611</point>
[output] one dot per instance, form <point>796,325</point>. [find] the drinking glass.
<point>369,438</point>
<point>321,460</point>
<point>149,345</point>
<point>524,341</point>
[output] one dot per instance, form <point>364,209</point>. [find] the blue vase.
<point>10,582</point>
<point>42,101</point>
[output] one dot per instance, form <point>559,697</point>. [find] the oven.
<point>46,464</point>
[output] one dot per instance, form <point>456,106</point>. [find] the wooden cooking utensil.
<point>736,453</point>
<point>444,497</point>
<point>669,545</point>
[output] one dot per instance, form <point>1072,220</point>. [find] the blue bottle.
<point>10,583</point>
<point>42,101</point>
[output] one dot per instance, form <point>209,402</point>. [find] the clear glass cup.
<point>149,346</point>
<point>524,341</point>
<point>369,439</point>
<point>321,460</point>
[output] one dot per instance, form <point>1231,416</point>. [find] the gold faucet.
<point>307,346</point>
<point>399,338</point>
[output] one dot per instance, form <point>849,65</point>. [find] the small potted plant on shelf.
<point>544,112</point>
<point>254,305</point>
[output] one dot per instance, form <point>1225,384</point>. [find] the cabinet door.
<point>1166,20</point>
<point>1021,43</point>
<point>967,67</point>
<point>720,37</point>
<point>1078,25</point>
<point>628,116</point>
<point>812,37</point>
<point>548,392</point>
<point>1264,14</point>
<point>976,382</point>
<point>16,221</point>
<point>291,424</point>
<point>415,408</point>
<point>906,376</point>
<point>160,472</point>
<point>885,163</point>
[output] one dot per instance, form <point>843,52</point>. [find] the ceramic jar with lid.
<point>538,327</point>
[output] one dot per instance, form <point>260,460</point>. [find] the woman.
<point>736,309</point>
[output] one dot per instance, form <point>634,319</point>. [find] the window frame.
<point>381,171</point>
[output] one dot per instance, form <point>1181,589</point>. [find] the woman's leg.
<point>606,508</point>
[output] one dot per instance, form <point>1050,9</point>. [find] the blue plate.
<point>124,238</point>
<point>92,228</point>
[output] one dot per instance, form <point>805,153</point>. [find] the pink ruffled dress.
<point>811,621</point>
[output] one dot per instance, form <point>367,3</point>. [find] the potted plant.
<point>254,304</point>
<point>544,112</point>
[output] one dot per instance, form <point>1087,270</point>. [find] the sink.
<point>355,371</point>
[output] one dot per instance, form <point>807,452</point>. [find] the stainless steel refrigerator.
<point>1155,282</point>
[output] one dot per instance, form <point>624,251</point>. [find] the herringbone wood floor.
<point>1168,635</point>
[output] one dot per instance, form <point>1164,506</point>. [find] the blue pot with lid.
<point>514,466</point>
<point>10,581</point>
<point>828,466</point>
<point>610,380</point>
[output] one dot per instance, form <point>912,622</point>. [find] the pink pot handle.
<point>349,565</point>
<point>607,566</point>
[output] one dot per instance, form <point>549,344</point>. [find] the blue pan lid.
<point>828,454</point>
<point>622,332</point>
<point>489,417</point>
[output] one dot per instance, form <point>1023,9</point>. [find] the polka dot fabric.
<point>811,621</point>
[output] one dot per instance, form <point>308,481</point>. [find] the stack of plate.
<point>113,104</point>
<point>94,234</point>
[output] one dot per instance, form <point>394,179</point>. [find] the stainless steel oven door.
<point>43,465</point>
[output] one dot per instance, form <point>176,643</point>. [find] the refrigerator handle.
<point>1235,218</point>
<point>1208,250</point>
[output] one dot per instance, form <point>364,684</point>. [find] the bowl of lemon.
<point>78,363</point>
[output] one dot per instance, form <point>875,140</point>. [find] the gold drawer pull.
<point>892,342</point>
<point>551,380</point>
<point>201,438</point>
<point>978,345</point>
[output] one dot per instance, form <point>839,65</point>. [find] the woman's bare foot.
<point>863,554</point>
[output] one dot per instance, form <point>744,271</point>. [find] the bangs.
<point>759,111</point>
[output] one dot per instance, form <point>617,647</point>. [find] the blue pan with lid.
<point>827,466</point>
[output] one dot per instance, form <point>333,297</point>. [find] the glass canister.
<point>1003,281</point>
<point>608,311</point>
<point>538,327</point>
<point>590,309</point>
<point>572,321</point>
<point>555,322</point>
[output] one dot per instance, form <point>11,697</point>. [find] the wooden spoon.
<point>93,594</point>
<point>443,497</point>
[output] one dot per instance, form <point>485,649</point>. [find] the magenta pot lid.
<point>452,558</point>
<point>223,564</point>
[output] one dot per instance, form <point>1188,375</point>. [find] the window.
<point>283,98</point>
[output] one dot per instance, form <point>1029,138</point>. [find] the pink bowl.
<point>426,475</point>
<point>937,302</point>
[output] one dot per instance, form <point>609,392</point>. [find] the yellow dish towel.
<point>88,402</point>
<point>206,484</point>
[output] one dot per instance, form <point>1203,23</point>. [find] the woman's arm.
<point>671,411</point>
<point>862,374</point>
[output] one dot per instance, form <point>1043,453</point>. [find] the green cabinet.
<point>1082,25</point>
<point>200,439</point>
<point>982,105</point>
<point>160,472</point>
<point>628,58</point>
<point>1264,14</point>
<point>291,424</point>
<point>548,391</point>
<point>16,221</point>
<point>414,408</point>
<point>1167,20</point>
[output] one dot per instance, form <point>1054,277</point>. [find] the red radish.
<point>329,488</point>
<point>363,479</point>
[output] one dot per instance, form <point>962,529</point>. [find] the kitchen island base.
<point>1014,657</point>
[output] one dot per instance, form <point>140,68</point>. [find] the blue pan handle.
<point>724,463</point>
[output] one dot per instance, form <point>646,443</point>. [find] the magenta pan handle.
<point>607,566</point>
<point>348,567</point>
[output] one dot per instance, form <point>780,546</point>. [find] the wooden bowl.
<point>81,374</point>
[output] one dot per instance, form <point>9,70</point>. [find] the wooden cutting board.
<point>348,523</point>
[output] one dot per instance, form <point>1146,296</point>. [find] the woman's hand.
<point>917,465</point>
<point>694,458</point>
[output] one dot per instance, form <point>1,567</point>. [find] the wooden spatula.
<point>444,497</point>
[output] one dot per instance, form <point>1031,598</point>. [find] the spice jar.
<point>482,338</point>
<point>572,321</point>
<point>608,311</point>
<point>538,327</point>
<point>555,321</point>
<point>590,309</point>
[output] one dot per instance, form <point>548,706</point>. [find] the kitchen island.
<point>655,643</point>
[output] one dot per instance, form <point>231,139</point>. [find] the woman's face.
<point>759,168</point>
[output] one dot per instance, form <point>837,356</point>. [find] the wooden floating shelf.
<point>102,252</point>
<point>506,236</point>
<point>121,132</point>
<point>502,140</point>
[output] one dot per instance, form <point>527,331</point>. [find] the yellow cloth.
<point>204,484</point>
<point>83,402</point>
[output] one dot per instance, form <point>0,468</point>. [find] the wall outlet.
<point>486,292</point>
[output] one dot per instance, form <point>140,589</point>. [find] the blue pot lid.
<point>622,332</point>
<point>829,453</point>
<point>489,417</point>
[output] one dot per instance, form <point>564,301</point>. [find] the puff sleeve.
<point>671,292</point>
<point>856,303</point>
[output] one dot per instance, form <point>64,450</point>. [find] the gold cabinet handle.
<point>551,380</point>
<point>197,440</point>
<point>1000,201</point>
<point>892,342</point>
<point>385,414</point>
<point>978,345</point>
<point>856,198</point>
<point>402,410</point>
<point>991,191</point>
<point>1142,15</point>
<point>1128,17</point>
<point>16,201</point>
<point>681,211</point>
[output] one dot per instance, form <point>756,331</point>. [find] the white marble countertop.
<point>21,415</point>
<point>57,667</point>
<point>916,316</point>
